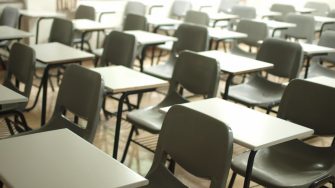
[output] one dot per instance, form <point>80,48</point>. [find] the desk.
<point>234,65</point>
<point>8,96</point>
<point>147,39</point>
<point>53,55</point>
<point>311,50</point>
<point>223,34</point>
<point>85,26</point>
<point>119,79</point>
<point>60,158</point>
<point>324,21</point>
<point>304,10</point>
<point>9,33</point>
<point>157,22</point>
<point>216,17</point>
<point>276,25</point>
<point>252,129</point>
<point>323,80</point>
<point>39,15</point>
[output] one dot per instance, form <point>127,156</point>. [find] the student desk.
<point>323,80</point>
<point>147,39</point>
<point>60,158</point>
<point>251,129</point>
<point>86,26</point>
<point>235,65</point>
<point>311,50</point>
<point>276,25</point>
<point>9,33</point>
<point>39,15</point>
<point>218,35</point>
<point>119,79</point>
<point>8,96</point>
<point>53,55</point>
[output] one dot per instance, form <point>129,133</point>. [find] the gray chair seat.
<point>98,52</point>
<point>285,159</point>
<point>238,51</point>
<point>163,71</point>
<point>318,70</point>
<point>257,91</point>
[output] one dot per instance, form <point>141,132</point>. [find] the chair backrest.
<point>309,104</point>
<point>182,130</point>
<point>62,31</point>
<point>119,49</point>
<point>179,8</point>
<point>305,27</point>
<point>21,68</point>
<point>244,12</point>
<point>197,41</point>
<point>320,8</point>
<point>287,57</point>
<point>9,17</point>
<point>85,12</point>
<point>197,17</point>
<point>328,39</point>
<point>135,22</point>
<point>226,5</point>
<point>195,73</point>
<point>134,7</point>
<point>284,9</point>
<point>81,93</point>
<point>256,31</point>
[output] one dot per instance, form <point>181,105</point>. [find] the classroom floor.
<point>138,158</point>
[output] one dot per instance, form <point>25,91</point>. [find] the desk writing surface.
<point>54,53</point>
<point>147,38</point>
<point>313,49</point>
<point>235,64</point>
<point>9,33</point>
<point>162,21</point>
<point>89,25</point>
<point>272,24</point>
<point>60,158</point>
<point>305,10</point>
<point>324,19</point>
<point>323,80</point>
<point>222,16</point>
<point>251,129</point>
<point>41,13</point>
<point>121,79</point>
<point>8,96</point>
<point>220,34</point>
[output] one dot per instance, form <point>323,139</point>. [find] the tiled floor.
<point>138,159</point>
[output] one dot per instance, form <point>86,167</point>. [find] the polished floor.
<point>138,159</point>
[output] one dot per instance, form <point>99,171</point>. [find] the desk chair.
<point>80,94</point>
<point>190,37</point>
<point>194,73</point>
<point>320,8</point>
<point>295,163</point>
<point>84,12</point>
<point>135,22</point>
<point>119,49</point>
<point>305,27</point>
<point>9,17</point>
<point>225,6</point>
<point>284,9</point>
<point>256,31</point>
<point>134,7</point>
<point>258,90</point>
<point>20,70</point>
<point>317,68</point>
<point>62,31</point>
<point>184,128</point>
<point>325,27</point>
<point>244,12</point>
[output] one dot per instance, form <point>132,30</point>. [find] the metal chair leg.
<point>232,180</point>
<point>127,144</point>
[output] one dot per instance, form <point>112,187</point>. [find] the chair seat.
<point>238,51</point>
<point>149,119</point>
<point>257,91</point>
<point>287,160</point>
<point>98,52</point>
<point>77,37</point>
<point>167,46</point>
<point>318,70</point>
<point>163,71</point>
